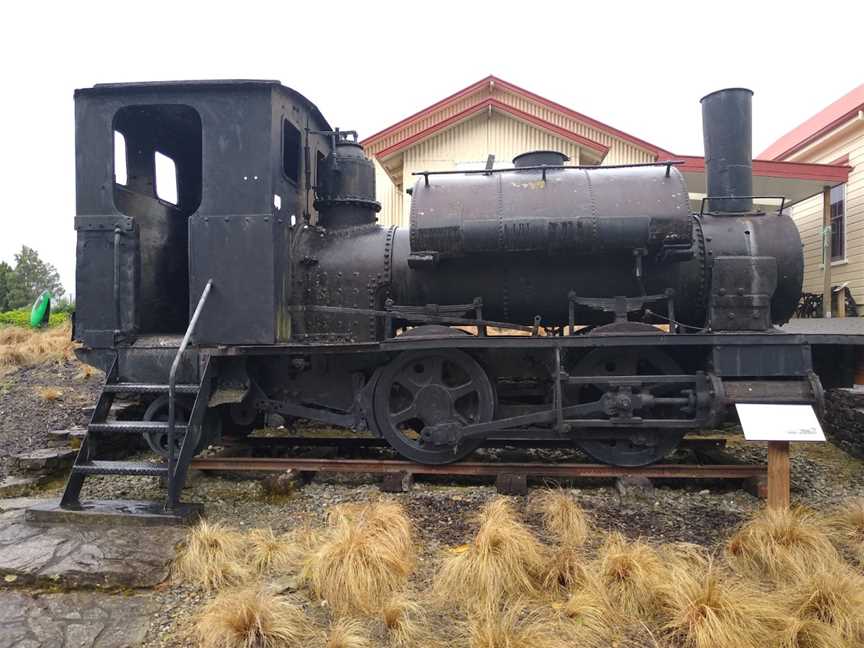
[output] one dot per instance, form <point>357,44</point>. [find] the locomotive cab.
<point>182,182</point>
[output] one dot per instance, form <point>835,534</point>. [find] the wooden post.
<point>826,251</point>
<point>841,302</point>
<point>778,474</point>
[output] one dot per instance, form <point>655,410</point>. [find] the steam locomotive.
<point>541,301</point>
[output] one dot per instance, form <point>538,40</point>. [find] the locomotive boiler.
<point>542,301</point>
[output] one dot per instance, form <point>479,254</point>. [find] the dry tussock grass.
<point>86,372</point>
<point>833,596</point>
<point>365,555</point>
<point>251,618</point>
<point>212,556</point>
<point>515,625</point>
<point>778,544</point>
<point>49,394</point>
<point>504,561</point>
<point>21,347</point>
<point>806,633</point>
<point>590,617</point>
<point>705,608</point>
<point>404,622</point>
<point>569,527</point>
<point>563,519</point>
<point>846,527</point>
<point>267,552</point>
<point>348,633</point>
<point>632,576</point>
<point>566,570</point>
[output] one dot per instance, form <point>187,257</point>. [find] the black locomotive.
<point>546,300</point>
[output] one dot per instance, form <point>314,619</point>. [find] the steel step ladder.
<point>182,437</point>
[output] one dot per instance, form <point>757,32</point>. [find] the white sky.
<point>640,67</point>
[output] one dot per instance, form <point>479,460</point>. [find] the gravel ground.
<point>442,511</point>
<point>26,417</point>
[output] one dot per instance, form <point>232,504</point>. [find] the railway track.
<point>478,468</point>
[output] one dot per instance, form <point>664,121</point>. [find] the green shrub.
<point>21,317</point>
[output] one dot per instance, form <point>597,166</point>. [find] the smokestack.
<point>728,133</point>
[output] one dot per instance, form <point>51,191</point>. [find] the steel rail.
<point>476,468</point>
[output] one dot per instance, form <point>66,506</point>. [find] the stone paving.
<point>71,563</point>
<point>73,556</point>
<point>73,619</point>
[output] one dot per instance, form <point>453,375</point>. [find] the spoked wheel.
<point>423,398</point>
<point>626,446</point>
<point>158,411</point>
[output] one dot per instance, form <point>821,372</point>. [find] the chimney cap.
<point>726,90</point>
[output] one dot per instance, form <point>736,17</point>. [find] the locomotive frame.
<point>268,287</point>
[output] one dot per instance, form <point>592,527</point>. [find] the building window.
<point>290,151</point>
<point>838,223</point>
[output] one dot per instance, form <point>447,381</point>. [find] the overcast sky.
<point>640,67</point>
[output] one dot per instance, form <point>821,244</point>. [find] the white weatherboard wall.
<point>808,214</point>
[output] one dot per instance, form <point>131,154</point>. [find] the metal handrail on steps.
<point>172,380</point>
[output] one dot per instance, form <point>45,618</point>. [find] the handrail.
<point>172,378</point>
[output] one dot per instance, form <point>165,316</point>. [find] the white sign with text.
<point>764,422</point>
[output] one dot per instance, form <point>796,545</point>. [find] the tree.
<point>6,274</point>
<point>31,276</point>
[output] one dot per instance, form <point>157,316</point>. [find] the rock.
<point>76,436</point>
<point>398,482</point>
<point>44,460</point>
<point>14,486</point>
<point>58,438</point>
<point>631,487</point>
<point>283,483</point>
<point>285,584</point>
<point>844,420</point>
<point>73,556</point>
<point>74,619</point>
<point>511,484</point>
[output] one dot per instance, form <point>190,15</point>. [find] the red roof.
<point>823,122</point>
<point>509,87</point>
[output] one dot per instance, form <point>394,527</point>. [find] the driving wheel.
<point>630,447</point>
<point>422,400</point>
<point>158,411</point>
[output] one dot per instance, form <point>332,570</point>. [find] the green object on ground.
<point>41,311</point>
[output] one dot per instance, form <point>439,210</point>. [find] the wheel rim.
<point>630,447</point>
<point>421,396</point>
<point>158,411</point>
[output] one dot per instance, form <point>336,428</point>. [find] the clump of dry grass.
<point>504,561</point>
<point>632,576</point>
<point>703,609</point>
<point>404,622</point>
<point>563,519</point>
<point>515,625</point>
<point>268,552</point>
<point>366,553</point>
<point>776,544</point>
<point>834,596</point>
<point>846,527</point>
<point>49,394</point>
<point>589,616</point>
<point>86,372</point>
<point>348,633</point>
<point>565,570</point>
<point>568,526</point>
<point>251,618</point>
<point>806,633</point>
<point>212,557</point>
<point>23,347</point>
